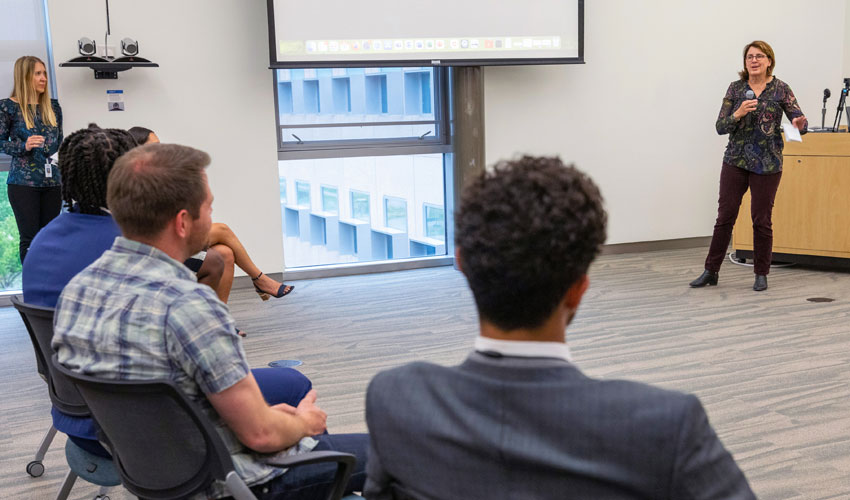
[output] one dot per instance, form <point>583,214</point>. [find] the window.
<point>330,199</point>
<point>360,205</point>
<point>342,95</point>
<point>435,222</point>
<point>311,96</point>
<point>10,262</point>
<point>23,30</point>
<point>373,136</point>
<point>282,191</point>
<point>361,108</point>
<point>417,92</point>
<point>395,213</point>
<point>302,194</point>
<point>376,94</point>
<point>284,97</point>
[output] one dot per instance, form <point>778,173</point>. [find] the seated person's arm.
<point>202,342</point>
<point>264,428</point>
<point>704,469</point>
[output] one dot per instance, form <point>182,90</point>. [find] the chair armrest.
<point>345,464</point>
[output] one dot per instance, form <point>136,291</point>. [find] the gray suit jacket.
<point>529,428</point>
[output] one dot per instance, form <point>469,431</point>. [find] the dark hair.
<point>85,159</point>
<point>151,184</point>
<point>526,232</point>
<point>140,134</point>
<point>768,51</point>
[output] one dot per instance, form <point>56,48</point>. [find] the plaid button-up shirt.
<point>137,314</point>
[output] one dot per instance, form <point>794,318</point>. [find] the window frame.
<point>439,142</point>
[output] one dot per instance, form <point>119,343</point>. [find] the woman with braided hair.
<point>78,237</point>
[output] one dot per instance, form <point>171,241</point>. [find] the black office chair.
<point>36,468</point>
<point>65,398</point>
<point>165,448</point>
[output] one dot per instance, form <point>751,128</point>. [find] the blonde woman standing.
<point>31,132</point>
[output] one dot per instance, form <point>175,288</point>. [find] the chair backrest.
<point>163,446</point>
<point>63,393</point>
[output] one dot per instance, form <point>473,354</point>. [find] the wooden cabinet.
<point>811,215</point>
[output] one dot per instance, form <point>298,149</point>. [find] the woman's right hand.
<point>34,141</point>
<point>745,108</point>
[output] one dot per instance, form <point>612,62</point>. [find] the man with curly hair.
<point>518,419</point>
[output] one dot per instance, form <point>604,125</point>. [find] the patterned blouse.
<point>27,167</point>
<point>755,141</point>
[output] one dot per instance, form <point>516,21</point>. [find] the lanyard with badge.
<point>49,165</point>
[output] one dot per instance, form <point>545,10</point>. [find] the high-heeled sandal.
<point>282,291</point>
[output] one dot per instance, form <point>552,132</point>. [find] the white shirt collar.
<point>524,348</point>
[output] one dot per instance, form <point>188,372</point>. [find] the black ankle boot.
<point>706,278</point>
<point>760,283</point>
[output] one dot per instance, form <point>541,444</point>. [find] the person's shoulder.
<point>656,401</point>
<point>737,84</point>
<point>187,296</point>
<point>403,376</point>
<point>7,105</point>
<point>54,102</point>
<point>781,84</point>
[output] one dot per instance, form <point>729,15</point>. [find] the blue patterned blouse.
<point>27,167</point>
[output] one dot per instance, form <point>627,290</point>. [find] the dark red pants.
<point>734,182</point>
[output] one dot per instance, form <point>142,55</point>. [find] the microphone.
<point>826,95</point>
<point>750,95</point>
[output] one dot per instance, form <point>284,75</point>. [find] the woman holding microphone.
<point>751,114</point>
<point>31,132</point>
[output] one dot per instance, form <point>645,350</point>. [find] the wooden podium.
<point>811,215</point>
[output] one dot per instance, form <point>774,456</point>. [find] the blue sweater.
<point>63,248</point>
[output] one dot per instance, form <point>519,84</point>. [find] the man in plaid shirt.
<point>138,313</point>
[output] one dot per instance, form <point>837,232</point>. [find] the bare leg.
<point>211,270</point>
<point>226,281</point>
<point>221,234</point>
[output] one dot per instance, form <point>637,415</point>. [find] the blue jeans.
<point>309,482</point>
<point>278,385</point>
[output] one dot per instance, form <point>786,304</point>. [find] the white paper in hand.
<point>791,133</point>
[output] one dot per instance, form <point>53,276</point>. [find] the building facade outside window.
<point>376,138</point>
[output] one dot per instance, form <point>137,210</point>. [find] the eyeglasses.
<point>757,57</point>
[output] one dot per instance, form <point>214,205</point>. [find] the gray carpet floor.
<point>772,368</point>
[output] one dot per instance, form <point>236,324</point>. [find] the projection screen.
<point>339,33</point>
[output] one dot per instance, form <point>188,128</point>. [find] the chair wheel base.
<point>35,468</point>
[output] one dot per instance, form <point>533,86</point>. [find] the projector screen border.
<point>423,62</point>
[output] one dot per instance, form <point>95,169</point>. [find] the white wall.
<point>846,73</point>
<point>639,116</point>
<point>213,90</point>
